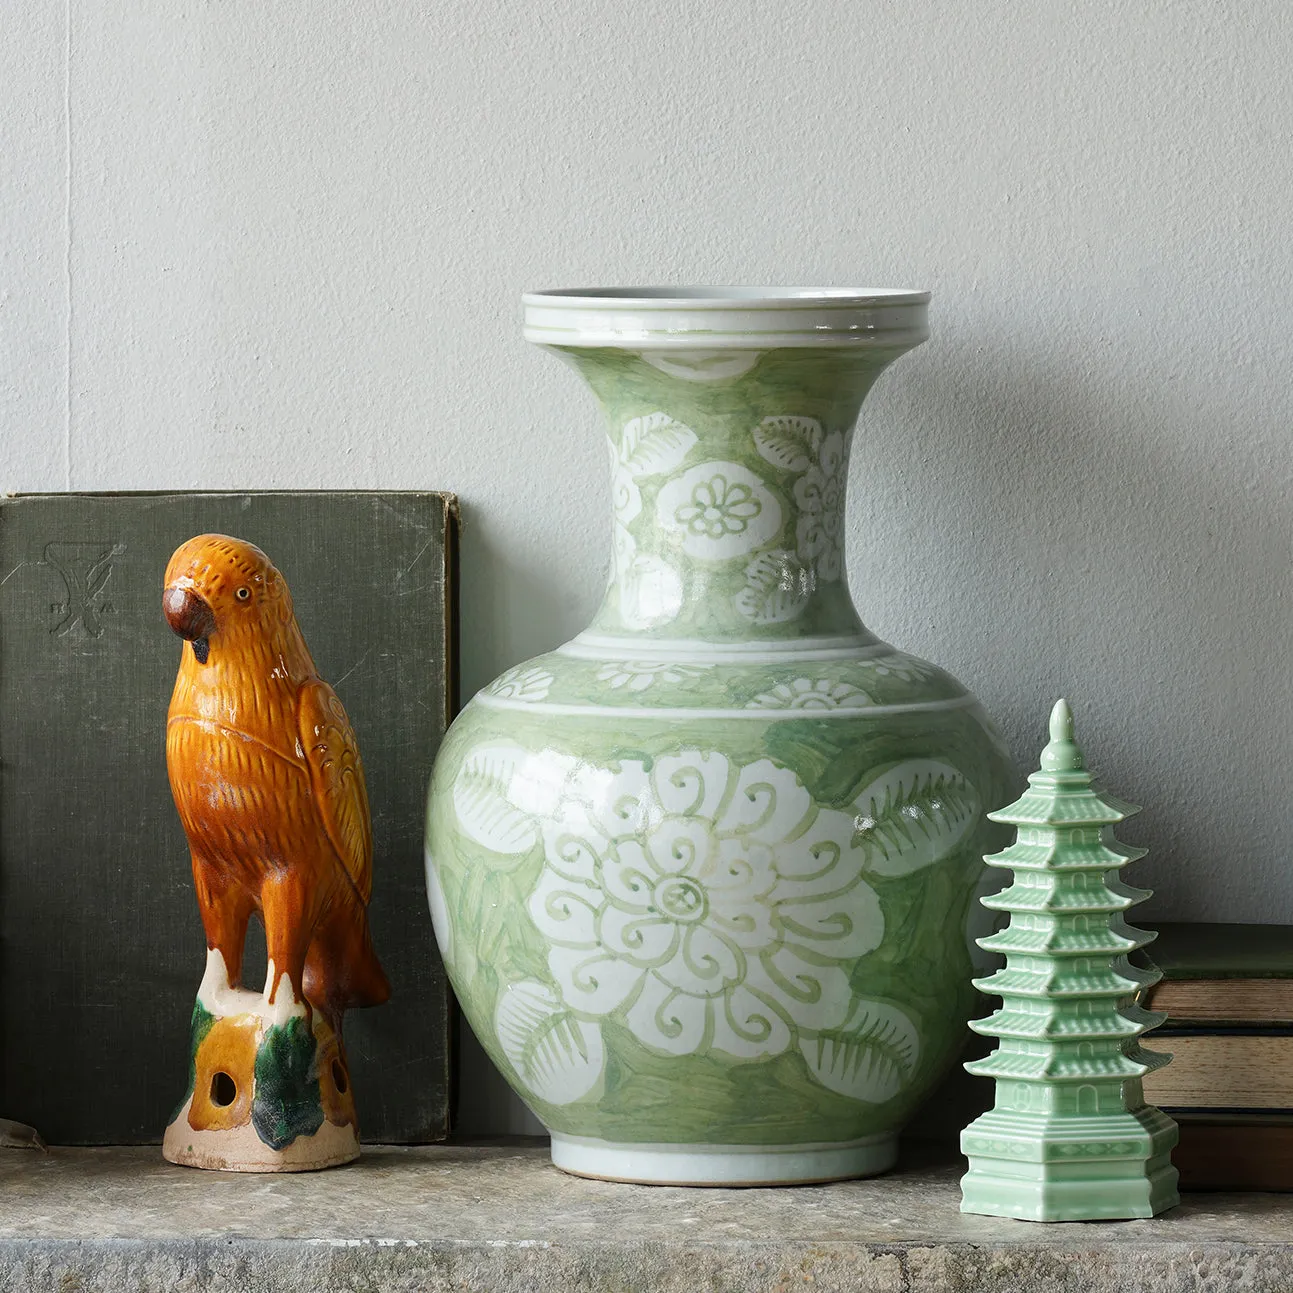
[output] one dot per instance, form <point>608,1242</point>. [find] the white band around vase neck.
<point>726,318</point>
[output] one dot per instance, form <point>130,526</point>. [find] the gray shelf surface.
<point>501,1218</point>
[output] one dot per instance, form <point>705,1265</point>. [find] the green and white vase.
<point>702,876</point>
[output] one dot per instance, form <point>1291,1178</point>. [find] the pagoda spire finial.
<point>1062,754</point>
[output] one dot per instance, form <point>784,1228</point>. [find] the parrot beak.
<point>191,617</point>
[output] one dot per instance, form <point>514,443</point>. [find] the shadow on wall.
<point>514,608</point>
<point>511,610</point>
<point>1125,542</point>
<point>1045,531</point>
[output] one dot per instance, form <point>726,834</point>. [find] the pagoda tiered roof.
<point>1064,855</point>
<point>1060,1066</point>
<point>1111,1023</point>
<point>1059,939</point>
<point>1062,982</point>
<point>1050,891</point>
<point>1060,799</point>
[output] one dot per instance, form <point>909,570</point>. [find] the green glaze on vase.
<point>701,877</point>
<point>1071,1137</point>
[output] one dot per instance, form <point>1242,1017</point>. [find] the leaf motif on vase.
<point>789,443</point>
<point>703,365</point>
<point>777,588</point>
<point>898,665</point>
<point>626,497</point>
<point>653,444</point>
<point>913,815</point>
<point>500,792</point>
<point>521,683</point>
<point>871,1057</point>
<point>441,923</point>
<point>481,800</point>
<point>557,1057</point>
<point>819,458</point>
<point>650,589</point>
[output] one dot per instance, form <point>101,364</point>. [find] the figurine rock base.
<point>1084,1168</point>
<point>269,1090</point>
<point>240,1149</point>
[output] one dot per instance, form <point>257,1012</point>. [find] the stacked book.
<point>1228,994</point>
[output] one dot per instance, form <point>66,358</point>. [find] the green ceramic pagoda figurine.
<point>1070,1137</point>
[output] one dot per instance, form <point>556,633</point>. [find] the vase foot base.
<point>724,1165</point>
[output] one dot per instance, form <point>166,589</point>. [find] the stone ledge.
<point>500,1218</point>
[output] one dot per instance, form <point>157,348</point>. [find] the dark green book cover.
<point>1208,950</point>
<point>101,946</point>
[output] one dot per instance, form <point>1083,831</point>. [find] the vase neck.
<point>728,473</point>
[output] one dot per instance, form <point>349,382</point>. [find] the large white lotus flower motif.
<point>716,902</point>
<point>714,908</point>
<point>820,459</point>
<point>721,509</point>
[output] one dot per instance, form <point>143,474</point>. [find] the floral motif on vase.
<point>711,907</point>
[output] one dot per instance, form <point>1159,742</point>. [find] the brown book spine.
<point>1234,1156</point>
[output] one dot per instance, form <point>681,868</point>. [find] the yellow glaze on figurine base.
<point>239,1149</point>
<point>271,1085</point>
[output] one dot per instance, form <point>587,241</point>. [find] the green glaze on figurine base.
<point>268,1089</point>
<point>1071,1137</point>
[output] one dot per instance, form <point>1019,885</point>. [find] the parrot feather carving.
<point>269,785</point>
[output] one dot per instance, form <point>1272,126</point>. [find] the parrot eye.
<point>242,594</point>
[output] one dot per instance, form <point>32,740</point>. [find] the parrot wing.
<point>337,778</point>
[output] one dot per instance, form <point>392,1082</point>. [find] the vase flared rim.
<point>713,318</point>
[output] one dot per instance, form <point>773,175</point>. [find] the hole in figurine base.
<point>224,1090</point>
<point>339,1077</point>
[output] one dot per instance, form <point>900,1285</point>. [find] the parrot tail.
<point>342,970</point>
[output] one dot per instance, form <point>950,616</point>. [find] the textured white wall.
<point>252,244</point>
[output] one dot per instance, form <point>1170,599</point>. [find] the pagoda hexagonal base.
<point>1070,1168</point>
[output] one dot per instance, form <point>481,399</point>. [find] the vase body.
<point>702,876</point>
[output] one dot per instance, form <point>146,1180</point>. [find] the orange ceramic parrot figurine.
<point>270,789</point>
